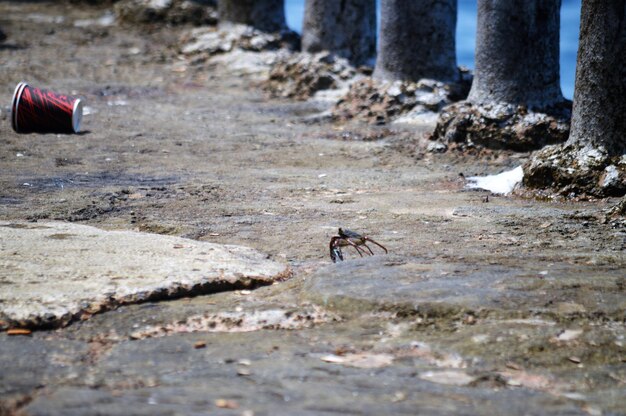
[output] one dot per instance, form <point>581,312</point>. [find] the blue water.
<point>466,35</point>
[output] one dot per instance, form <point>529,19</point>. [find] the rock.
<point>360,360</point>
<point>502,126</point>
<point>618,209</point>
<point>405,102</point>
<point>244,50</point>
<point>611,177</point>
<point>520,378</point>
<point>419,115</point>
<point>226,404</point>
<point>569,335</point>
<point>437,147</point>
<point>380,283</point>
<point>301,76</point>
<point>93,2</point>
<point>211,41</point>
<point>208,41</point>
<point>106,20</point>
<point>254,65</point>
<point>448,377</point>
<point>570,308</point>
<point>173,12</point>
<point>571,170</point>
<point>46,288</point>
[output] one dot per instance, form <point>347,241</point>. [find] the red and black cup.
<point>36,110</point>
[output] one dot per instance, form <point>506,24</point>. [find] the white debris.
<point>360,360</point>
<point>480,339</point>
<point>503,183</point>
<point>449,377</point>
<point>43,18</point>
<point>160,4</point>
<point>574,396</point>
<point>570,334</point>
<point>108,19</point>
<point>117,103</point>
<point>420,115</point>
<point>332,95</point>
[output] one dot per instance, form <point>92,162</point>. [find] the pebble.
<point>448,377</point>
<point>226,404</point>
<point>569,334</point>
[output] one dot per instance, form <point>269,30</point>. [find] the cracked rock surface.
<point>43,286</point>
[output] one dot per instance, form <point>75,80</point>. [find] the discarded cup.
<point>35,110</point>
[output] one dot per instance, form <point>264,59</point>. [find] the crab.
<point>346,238</point>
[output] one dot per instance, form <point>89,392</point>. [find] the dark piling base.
<point>573,171</point>
<point>176,12</point>
<point>380,102</point>
<point>302,75</point>
<point>203,43</point>
<point>502,126</point>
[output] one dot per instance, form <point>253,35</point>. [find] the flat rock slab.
<point>452,290</point>
<point>53,273</point>
<point>388,283</point>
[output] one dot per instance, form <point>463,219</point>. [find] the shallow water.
<point>466,35</point>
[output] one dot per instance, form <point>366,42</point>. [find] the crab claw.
<point>335,253</point>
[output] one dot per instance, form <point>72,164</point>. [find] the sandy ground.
<point>495,305</point>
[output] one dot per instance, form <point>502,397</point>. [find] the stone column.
<point>515,101</point>
<point>517,53</point>
<point>346,28</point>
<point>416,73</point>
<point>599,113</point>
<point>266,15</point>
<point>593,160</point>
<point>417,40</point>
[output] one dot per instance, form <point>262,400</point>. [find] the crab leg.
<point>335,247</point>
<point>358,249</point>
<point>378,244</point>
<point>368,247</point>
<point>353,244</point>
